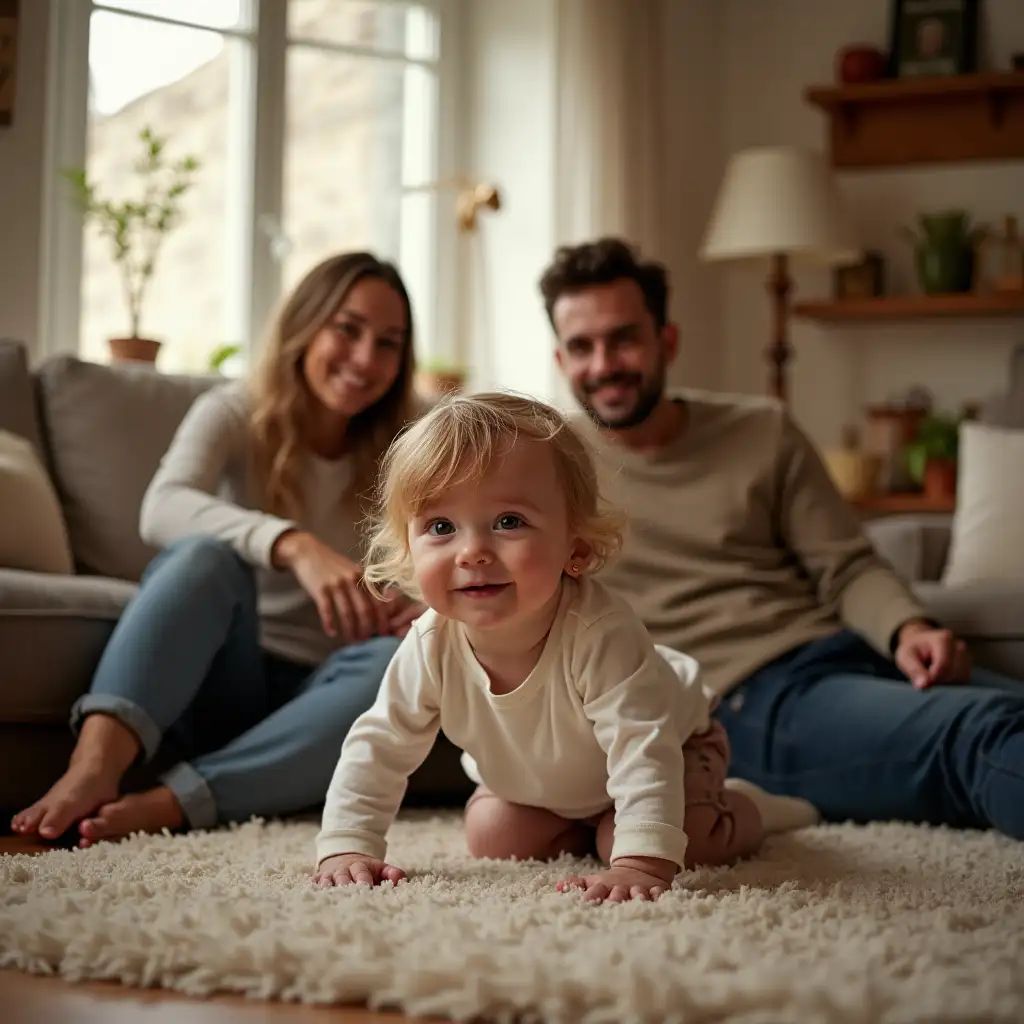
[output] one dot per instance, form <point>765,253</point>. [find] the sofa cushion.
<point>53,630</point>
<point>32,531</point>
<point>17,398</point>
<point>987,542</point>
<point>107,427</point>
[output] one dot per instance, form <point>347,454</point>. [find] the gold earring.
<point>574,567</point>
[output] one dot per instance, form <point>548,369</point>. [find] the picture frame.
<point>933,37</point>
<point>8,59</point>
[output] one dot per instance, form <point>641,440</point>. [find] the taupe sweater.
<point>205,486</point>
<point>739,547</point>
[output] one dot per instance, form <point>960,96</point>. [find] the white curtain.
<point>609,146</point>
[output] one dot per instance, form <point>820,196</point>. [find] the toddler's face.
<point>491,551</point>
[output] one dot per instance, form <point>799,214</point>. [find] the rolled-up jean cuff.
<point>193,795</point>
<point>124,711</point>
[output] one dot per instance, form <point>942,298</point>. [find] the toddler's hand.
<point>355,868</point>
<point>617,885</point>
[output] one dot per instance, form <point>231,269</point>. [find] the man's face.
<point>612,352</point>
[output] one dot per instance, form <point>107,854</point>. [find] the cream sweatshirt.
<point>600,721</point>
<point>205,485</point>
<point>739,546</point>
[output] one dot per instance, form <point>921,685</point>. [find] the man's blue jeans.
<point>262,734</point>
<point>838,724</point>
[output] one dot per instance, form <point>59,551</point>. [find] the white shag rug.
<point>887,923</point>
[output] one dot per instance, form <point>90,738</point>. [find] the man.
<point>836,686</point>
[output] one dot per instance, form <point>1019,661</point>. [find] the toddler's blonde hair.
<point>457,441</point>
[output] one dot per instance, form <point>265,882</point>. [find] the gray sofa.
<point>101,431</point>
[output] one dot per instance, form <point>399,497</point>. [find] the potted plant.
<point>932,456</point>
<point>438,377</point>
<point>137,229</point>
<point>945,251</point>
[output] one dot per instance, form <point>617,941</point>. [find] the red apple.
<point>860,63</point>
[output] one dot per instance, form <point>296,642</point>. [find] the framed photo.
<point>933,37</point>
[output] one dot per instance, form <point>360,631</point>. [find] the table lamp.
<point>778,203</point>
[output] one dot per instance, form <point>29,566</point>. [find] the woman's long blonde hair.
<point>281,398</point>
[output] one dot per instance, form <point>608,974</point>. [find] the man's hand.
<point>355,869</point>
<point>629,878</point>
<point>927,655</point>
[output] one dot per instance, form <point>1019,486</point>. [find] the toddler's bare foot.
<point>151,811</point>
<point>78,792</point>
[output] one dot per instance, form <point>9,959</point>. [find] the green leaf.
<point>221,354</point>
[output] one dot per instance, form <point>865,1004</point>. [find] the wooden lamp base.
<point>779,350</point>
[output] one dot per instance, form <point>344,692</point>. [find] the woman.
<point>252,644</point>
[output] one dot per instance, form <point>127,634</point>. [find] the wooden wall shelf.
<point>924,120</point>
<point>903,503</point>
<point>912,307</point>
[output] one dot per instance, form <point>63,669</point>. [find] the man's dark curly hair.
<point>603,261</point>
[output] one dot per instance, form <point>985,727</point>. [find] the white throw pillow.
<point>32,531</point>
<point>987,541</point>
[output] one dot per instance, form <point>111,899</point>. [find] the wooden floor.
<point>31,999</point>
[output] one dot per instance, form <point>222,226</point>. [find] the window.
<point>310,120</point>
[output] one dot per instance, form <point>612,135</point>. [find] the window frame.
<point>256,195</point>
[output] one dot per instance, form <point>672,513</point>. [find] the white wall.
<point>771,52</point>
<point>509,91</point>
<point>21,161</point>
<point>691,60</point>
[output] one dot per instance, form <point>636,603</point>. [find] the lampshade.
<point>779,200</point>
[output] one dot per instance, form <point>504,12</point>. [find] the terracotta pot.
<point>133,350</point>
<point>940,479</point>
<point>860,63</point>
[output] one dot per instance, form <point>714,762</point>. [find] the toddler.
<point>575,727</point>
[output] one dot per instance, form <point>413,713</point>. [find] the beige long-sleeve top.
<point>739,547</point>
<point>205,485</point>
<point>600,720</point>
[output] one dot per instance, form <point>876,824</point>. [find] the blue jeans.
<point>838,724</point>
<point>184,664</point>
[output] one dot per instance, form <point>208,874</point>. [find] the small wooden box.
<point>864,280</point>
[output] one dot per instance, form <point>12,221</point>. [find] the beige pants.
<point>721,825</point>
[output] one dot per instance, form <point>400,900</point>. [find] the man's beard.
<point>649,393</point>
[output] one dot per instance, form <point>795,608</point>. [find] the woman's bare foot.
<point>78,792</point>
<point>104,751</point>
<point>151,811</point>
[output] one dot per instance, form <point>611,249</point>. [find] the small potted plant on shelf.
<point>932,456</point>
<point>137,229</point>
<point>438,377</point>
<point>945,251</point>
